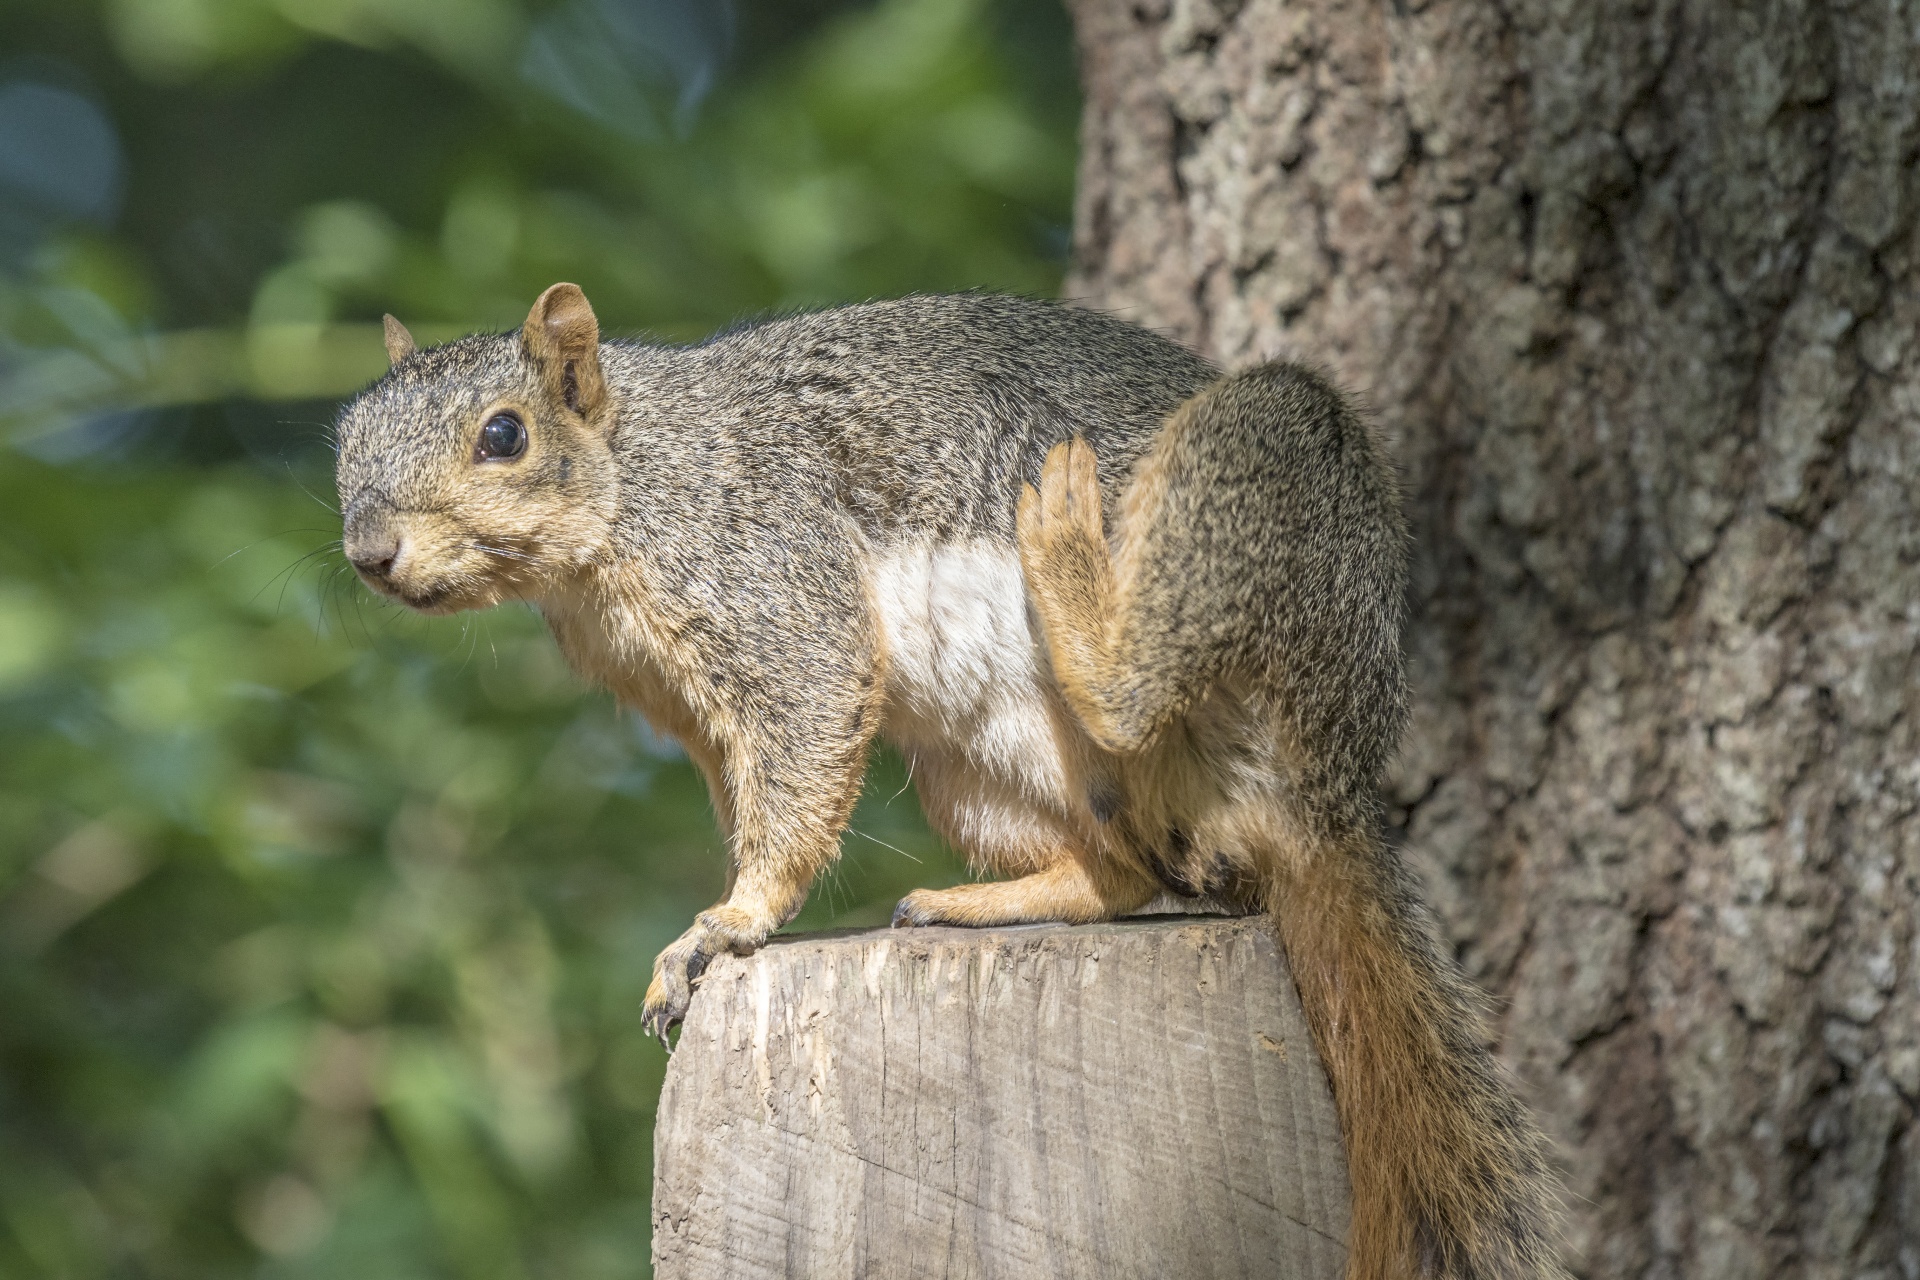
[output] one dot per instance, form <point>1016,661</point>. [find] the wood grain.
<point>1137,1098</point>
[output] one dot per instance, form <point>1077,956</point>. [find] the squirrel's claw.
<point>659,1014</point>
<point>910,912</point>
<point>656,1024</point>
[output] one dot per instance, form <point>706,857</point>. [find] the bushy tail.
<point>1449,1175</point>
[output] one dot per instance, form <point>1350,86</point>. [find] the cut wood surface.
<point>1138,1098</point>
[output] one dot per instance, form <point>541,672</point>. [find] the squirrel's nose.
<point>374,553</point>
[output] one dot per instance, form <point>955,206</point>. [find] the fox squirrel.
<point>1134,623</point>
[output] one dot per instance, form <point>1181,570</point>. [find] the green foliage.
<point>323,928</point>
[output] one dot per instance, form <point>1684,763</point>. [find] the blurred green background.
<point>323,928</point>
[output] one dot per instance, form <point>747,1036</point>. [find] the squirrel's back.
<point>929,410</point>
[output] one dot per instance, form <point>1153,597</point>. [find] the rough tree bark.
<point>1630,286</point>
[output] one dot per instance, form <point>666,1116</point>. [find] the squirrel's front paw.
<point>678,969</point>
<point>675,973</point>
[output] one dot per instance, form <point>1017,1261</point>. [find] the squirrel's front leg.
<point>788,812</point>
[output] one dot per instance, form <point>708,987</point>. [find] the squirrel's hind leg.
<point>1049,874</point>
<point>1258,538</point>
<point>1073,889</point>
<point>1081,601</point>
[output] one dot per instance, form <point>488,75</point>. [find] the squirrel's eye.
<point>503,437</point>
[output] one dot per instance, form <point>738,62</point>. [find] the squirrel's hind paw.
<point>925,907</point>
<point>1067,503</point>
<point>1062,547</point>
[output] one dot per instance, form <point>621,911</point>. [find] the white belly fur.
<point>966,671</point>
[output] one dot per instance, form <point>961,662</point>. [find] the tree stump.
<point>1139,1098</point>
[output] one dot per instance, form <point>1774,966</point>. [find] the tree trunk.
<point>1133,1100</point>
<point>1629,287</point>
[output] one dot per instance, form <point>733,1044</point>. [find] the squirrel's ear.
<point>399,341</point>
<point>563,339</point>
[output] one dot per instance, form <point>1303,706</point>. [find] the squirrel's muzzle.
<point>374,546</point>
<point>375,560</point>
<point>420,558</point>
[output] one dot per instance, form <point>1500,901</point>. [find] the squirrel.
<point>1135,625</point>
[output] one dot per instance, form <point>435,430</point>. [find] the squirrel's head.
<point>480,471</point>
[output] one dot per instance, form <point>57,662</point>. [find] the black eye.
<point>503,437</point>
